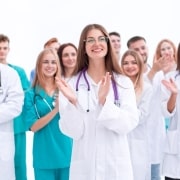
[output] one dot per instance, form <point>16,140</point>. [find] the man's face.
<point>4,50</point>
<point>141,47</point>
<point>116,42</point>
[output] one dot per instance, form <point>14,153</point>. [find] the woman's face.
<point>96,44</point>
<point>166,49</point>
<point>49,65</point>
<point>130,66</point>
<point>69,57</point>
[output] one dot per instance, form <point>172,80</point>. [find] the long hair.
<point>111,61</point>
<point>178,58</point>
<point>158,49</point>
<point>39,79</point>
<point>138,84</point>
<point>60,53</point>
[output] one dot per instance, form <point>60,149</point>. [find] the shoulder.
<point>17,68</point>
<point>147,88</point>
<point>172,74</point>
<point>29,95</point>
<point>123,80</point>
<point>147,85</point>
<point>30,92</point>
<point>32,71</point>
<point>8,71</point>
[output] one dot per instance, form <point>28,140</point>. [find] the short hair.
<point>4,38</point>
<point>114,33</point>
<point>134,39</point>
<point>50,41</point>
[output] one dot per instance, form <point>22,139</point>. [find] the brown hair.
<point>178,58</point>
<point>60,52</point>
<point>50,41</point>
<point>114,33</point>
<point>134,39</point>
<point>111,61</point>
<point>4,38</point>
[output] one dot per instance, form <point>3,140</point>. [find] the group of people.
<point>96,113</point>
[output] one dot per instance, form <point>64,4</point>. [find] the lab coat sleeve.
<point>72,118</point>
<point>11,107</point>
<point>144,103</point>
<point>124,118</point>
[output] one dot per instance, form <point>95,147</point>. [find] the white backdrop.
<point>29,23</point>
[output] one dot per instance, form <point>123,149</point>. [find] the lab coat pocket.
<point>6,146</point>
<point>172,145</point>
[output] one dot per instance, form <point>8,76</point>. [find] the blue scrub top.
<point>51,148</point>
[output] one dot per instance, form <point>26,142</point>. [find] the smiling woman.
<point>29,33</point>
<point>51,149</point>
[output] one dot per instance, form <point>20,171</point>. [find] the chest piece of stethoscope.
<point>55,96</point>
<point>1,90</point>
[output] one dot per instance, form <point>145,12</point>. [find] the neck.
<point>68,73</point>
<point>134,80</point>
<point>145,67</point>
<point>50,86</point>
<point>3,61</point>
<point>96,72</point>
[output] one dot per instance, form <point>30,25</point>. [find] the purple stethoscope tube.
<point>83,72</point>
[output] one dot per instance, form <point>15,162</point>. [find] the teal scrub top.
<point>51,148</point>
<point>19,124</point>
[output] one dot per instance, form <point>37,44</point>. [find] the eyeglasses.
<point>101,39</point>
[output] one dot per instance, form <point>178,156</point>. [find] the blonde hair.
<point>39,76</point>
<point>138,84</point>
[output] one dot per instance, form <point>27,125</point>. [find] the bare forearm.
<point>151,74</point>
<point>43,121</point>
<point>171,102</point>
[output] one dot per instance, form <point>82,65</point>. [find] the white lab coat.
<point>138,138</point>
<point>11,101</point>
<point>156,123</point>
<point>100,145</point>
<point>171,162</point>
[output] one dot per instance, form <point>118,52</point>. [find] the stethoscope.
<point>45,101</point>
<point>83,72</point>
<point>1,89</point>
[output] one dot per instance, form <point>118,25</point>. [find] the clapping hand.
<point>170,85</point>
<point>104,88</point>
<point>66,90</point>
